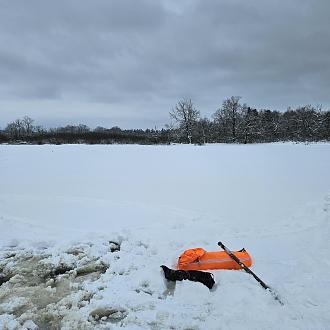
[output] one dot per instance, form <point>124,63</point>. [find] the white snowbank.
<point>64,209</point>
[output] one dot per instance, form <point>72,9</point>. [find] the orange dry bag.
<point>199,259</point>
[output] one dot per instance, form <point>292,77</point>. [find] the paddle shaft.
<point>247,269</point>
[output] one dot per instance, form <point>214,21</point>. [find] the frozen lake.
<point>156,201</point>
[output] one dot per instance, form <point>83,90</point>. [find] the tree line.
<point>18,132</point>
<point>233,122</point>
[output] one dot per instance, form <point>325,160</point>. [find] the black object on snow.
<point>191,275</point>
<point>248,270</point>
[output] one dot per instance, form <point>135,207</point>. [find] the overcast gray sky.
<point>127,62</point>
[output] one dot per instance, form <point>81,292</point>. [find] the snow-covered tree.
<point>228,116</point>
<point>186,116</point>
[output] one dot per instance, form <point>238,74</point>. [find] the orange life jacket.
<point>199,259</point>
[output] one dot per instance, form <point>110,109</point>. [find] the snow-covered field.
<point>84,229</point>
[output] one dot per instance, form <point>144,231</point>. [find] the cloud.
<point>143,56</point>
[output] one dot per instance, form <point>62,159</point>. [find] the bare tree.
<point>15,129</point>
<point>27,125</point>
<point>186,116</point>
<point>228,115</point>
<point>11,130</point>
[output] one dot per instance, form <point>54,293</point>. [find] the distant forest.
<point>233,122</point>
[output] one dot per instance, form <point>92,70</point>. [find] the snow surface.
<point>84,229</point>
